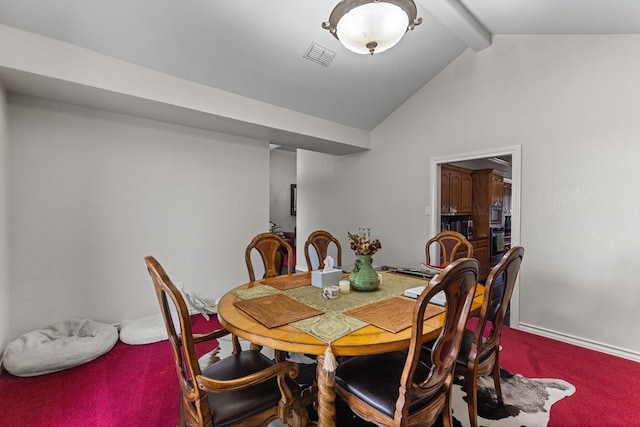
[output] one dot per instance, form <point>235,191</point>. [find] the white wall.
<point>4,244</point>
<point>572,103</point>
<point>282,175</point>
<point>91,193</point>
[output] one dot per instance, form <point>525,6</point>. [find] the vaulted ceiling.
<point>255,48</point>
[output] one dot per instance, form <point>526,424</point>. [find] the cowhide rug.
<point>527,401</point>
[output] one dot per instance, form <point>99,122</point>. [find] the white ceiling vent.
<point>319,54</point>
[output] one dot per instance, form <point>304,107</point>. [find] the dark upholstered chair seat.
<point>232,407</point>
<point>375,380</point>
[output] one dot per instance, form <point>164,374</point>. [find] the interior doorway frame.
<point>515,151</point>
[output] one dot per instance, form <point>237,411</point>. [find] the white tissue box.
<point>320,278</point>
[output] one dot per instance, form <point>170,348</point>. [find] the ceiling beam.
<point>41,67</point>
<point>460,21</point>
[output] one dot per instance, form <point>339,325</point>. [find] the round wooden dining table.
<point>366,340</point>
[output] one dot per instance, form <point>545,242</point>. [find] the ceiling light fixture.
<point>371,26</point>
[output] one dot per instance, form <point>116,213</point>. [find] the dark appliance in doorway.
<point>496,245</point>
<point>507,232</point>
<point>496,216</point>
<point>496,248</point>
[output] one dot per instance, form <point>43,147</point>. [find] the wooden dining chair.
<point>398,388</point>
<point>245,389</point>
<point>270,246</point>
<point>479,354</point>
<point>321,241</point>
<point>451,245</point>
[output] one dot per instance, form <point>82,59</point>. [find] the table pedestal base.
<point>326,395</point>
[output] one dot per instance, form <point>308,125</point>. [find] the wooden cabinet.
<point>497,189</point>
<point>456,188</point>
<point>481,253</point>
<point>445,190</point>
<point>488,192</point>
<point>466,190</point>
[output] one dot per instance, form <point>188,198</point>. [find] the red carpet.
<point>607,387</point>
<point>137,386</point>
<point>131,385</point>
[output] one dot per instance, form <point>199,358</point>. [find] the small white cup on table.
<point>345,286</point>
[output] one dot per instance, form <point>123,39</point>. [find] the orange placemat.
<point>288,282</point>
<point>392,314</point>
<point>276,310</point>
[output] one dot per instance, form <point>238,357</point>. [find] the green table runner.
<point>333,324</point>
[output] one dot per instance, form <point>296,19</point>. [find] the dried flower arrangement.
<point>362,244</point>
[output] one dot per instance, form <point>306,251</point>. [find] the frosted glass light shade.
<point>376,26</point>
<point>371,26</point>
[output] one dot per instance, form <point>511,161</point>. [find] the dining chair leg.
<point>496,382</point>
<point>298,418</point>
<point>471,380</point>
<point>255,347</point>
<point>182,421</point>
<point>280,356</point>
<point>447,412</point>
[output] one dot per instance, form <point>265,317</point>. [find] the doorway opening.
<point>283,193</point>
<point>477,158</point>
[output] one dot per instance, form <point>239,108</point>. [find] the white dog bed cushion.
<point>59,346</point>
<point>144,330</point>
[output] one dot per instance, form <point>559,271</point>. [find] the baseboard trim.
<point>581,342</point>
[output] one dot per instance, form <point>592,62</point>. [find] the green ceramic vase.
<point>364,277</point>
